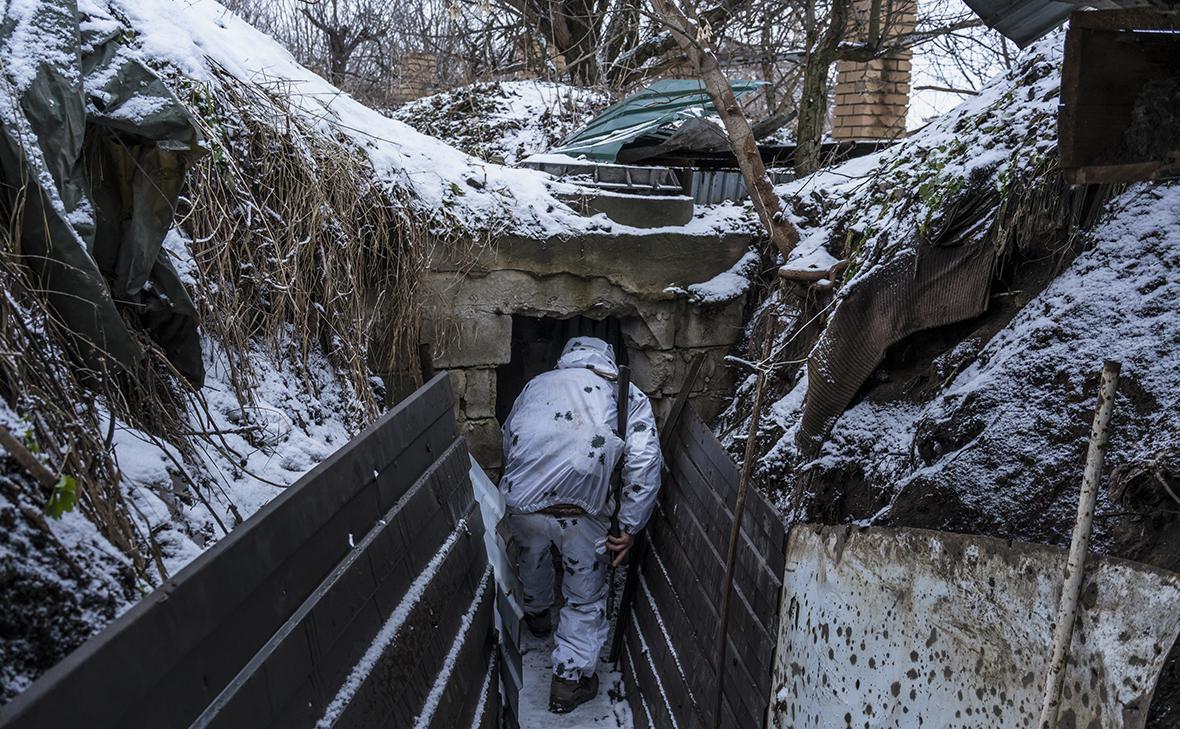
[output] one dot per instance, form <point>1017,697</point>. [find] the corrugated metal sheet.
<point>1022,21</point>
<point>661,102</point>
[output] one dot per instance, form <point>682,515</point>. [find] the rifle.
<point>623,405</point>
<point>636,557</point>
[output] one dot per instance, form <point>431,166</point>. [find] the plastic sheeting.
<point>907,628</point>
<point>93,150</point>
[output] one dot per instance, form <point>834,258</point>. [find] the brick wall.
<point>417,77</point>
<point>872,98</point>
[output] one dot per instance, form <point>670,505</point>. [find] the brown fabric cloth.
<point>918,289</point>
<point>563,510</point>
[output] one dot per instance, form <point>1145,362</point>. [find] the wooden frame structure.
<point>1110,58</point>
<point>670,650</point>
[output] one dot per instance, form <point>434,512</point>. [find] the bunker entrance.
<point>536,345</point>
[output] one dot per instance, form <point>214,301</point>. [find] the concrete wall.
<point>471,303</point>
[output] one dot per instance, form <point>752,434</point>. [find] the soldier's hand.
<point>620,545</point>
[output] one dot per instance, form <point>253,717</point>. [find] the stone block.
<point>653,326</point>
<point>470,340</point>
<point>642,263</point>
<point>477,399</point>
<point>710,403</point>
<point>711,326</point>
<point>639,211</point>
<point>651,370</point>
<point>716,373</point>
<point>664,372</point>
<point>484,442</point>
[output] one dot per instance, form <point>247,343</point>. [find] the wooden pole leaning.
<point>1075,566</point>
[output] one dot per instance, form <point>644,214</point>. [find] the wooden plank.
<point>647,686</point>
<point>764,525</point>
<point>676,688</point>
<point>750,650</point>
<point>640,712</point>
<point>463,689</point>
<point>403,672</point>
<point>337,621</point>
<point>709,569</point>
<point>489,718</point>
<point>687,676</point>
<point>190,637</point>
<point>697,651</point>
<point>753,569</point>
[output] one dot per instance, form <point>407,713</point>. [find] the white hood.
<point>589,353</point>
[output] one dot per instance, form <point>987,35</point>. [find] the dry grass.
<point>298,247</point>
<point>43,384</point>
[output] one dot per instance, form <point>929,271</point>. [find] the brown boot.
<point>539,624</point>
<point>566,695</point>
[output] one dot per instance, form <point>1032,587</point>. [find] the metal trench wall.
<point>907,627</point>
<point>361,596</point>
<point>671,649</point>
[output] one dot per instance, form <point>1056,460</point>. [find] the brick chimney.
<point>872,98</point>
<point>417,76</point>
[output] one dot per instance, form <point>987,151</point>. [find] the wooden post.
<point>426,362</point>
<point>1075,568</point>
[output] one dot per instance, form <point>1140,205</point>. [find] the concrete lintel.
<point>470,339</point>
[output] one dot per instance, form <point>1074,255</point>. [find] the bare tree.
<point>694,40</point>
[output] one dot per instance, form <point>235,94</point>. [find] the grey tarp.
<point>92,156</point>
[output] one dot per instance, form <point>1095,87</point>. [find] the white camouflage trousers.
<point>582,626</point>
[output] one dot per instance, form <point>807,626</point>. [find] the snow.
<point>725,286</point>
<point>608,710</point>
<point>32,42</point>
<point>196,37</point>
<point>391,628</point>
<point>870,208</point>
<point>503,121</point>
<point>430,705</point>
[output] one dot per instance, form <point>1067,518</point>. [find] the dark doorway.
<point>536,345</point>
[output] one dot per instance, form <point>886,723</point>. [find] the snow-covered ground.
<point>503,121</point>
<point>608,710</point>
<point>988,435</point>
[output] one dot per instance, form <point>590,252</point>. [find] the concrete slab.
<point>638,211</point>
<point>469,339</point>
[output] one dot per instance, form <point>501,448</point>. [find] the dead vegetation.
<point>297,246</point>
<point>297,250</point>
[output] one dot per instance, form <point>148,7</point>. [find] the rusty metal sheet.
<point>907,627</point>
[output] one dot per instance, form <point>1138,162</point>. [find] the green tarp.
<point>661,103</point>
<point>93,150</point>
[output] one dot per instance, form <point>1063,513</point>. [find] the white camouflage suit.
<point>560,448</point>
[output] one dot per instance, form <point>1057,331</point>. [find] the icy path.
<point>609,710</point>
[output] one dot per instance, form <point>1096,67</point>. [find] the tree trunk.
<point>813,101</point>
<point>741,139</point>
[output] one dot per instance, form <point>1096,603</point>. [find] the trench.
<point>380,590</point>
